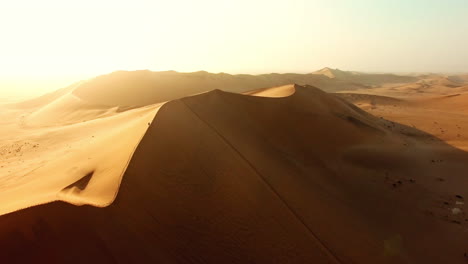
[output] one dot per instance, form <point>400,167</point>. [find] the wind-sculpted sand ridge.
<point>45,150</point>
<point>229,178</point>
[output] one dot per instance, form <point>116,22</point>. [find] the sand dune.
<point>68,109</point>
<point>425,86</point>
<point>369,101</point>
<point>229,178</point>
<point>47,98</point>
<point>281,91</point>
<point>368,79</point>
<point>444,117</point>
<point>130,89</point>
<point>138,88</point>
<point>460,78</point>
<point>452,103</point>
<point>47,149</point>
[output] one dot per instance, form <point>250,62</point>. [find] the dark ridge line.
<point>320,243</point>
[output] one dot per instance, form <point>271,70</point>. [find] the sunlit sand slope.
<point>66,149</point>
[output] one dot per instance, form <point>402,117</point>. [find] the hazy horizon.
<point>23,88</point>
<point>50,44</point>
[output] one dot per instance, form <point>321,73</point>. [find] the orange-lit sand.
<point>300,177</point>
<point>45,149</point>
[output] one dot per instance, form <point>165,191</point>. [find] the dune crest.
<point>275,92</point>
<point>99,142</point>
<point>62,142</point>
<point>224,177</point>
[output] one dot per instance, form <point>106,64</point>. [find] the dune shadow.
<point>82,183</point>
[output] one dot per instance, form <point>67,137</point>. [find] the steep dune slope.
<point>229,178</point>
<point>60,144</point>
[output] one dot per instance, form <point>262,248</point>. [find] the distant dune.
<point>422,86</point>
<point>369,79</point>
<point>140,88</point>
<point>290,174</point>
<point>47,98</point>
<point>460,78</point>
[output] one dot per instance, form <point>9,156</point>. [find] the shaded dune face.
<point>229,178</point>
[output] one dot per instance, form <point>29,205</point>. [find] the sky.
<point>49,44</point>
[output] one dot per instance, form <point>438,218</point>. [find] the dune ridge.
<point>60,140</point>
<point>224,177</point>
<point>138,88</point>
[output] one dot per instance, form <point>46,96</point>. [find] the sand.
<point>290,174</point>
<point>370,80</point>
<point>44,150</point>
<point>139,88</point>
<point>425,86</point>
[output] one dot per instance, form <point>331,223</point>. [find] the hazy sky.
<point>48,44</point>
